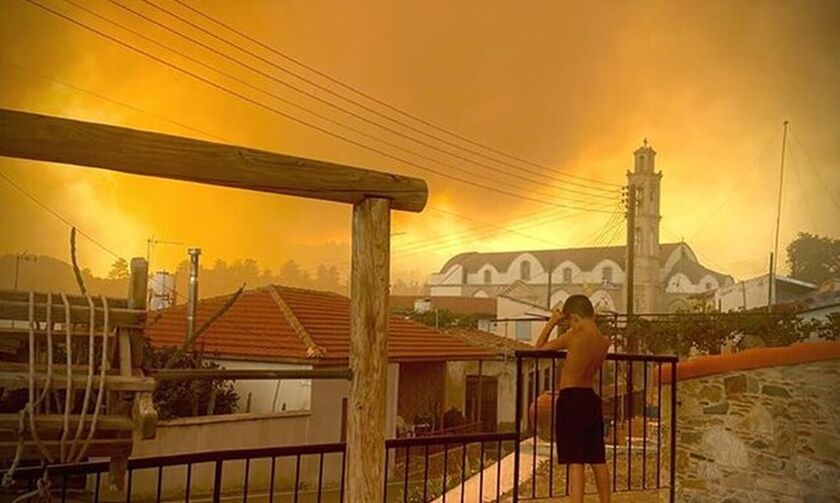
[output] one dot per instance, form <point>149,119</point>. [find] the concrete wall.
<point>292,394</point>
<point>235,431</point>
<point>766,434</point>
<point>327,397</point>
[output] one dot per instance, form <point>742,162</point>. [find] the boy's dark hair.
<point>579,305</point>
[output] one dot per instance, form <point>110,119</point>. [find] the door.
<point>485,404</point>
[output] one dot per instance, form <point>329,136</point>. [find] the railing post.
<point>217,482</point>
<point>518,428</point>
<point>673,449</point>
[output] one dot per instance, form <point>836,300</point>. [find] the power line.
<point>58,215</point>
<point>284,114</point>
<point>356,91</point>
<point>798,178</point>
<point>111,100</point>
<point>735,186</point>
<point>423,244</point>
<point>516,176</point>
<point>813,167</point>
<point>325,89</point>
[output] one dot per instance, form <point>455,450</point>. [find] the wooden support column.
<point>370,271</point>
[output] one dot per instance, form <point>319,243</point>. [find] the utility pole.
<point>775,256</point>
<point>192,297</point>
<point>548,293</point>
<point>631,249</point>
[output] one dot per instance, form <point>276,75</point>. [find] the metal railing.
<point>448,467</point>
<point>639,402</point>
<point>640,439</point>
<point>65,486</point>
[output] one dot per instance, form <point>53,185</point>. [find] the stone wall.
<point>760,435</point>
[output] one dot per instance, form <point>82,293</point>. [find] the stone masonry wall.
<point>761,435</point>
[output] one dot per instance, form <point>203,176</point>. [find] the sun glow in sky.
<point>572,86</point>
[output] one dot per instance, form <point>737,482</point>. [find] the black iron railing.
<point>449,467</point>
<point>640,436</point>
<point>630,387</point>
<point>64,487</point>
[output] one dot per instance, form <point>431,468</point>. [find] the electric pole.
<point>631,249</point>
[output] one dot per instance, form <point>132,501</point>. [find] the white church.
<point>667,275</point>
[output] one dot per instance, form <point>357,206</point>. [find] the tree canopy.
<point>814,258</point>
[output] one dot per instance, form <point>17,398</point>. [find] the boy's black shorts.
<point>579,427</point>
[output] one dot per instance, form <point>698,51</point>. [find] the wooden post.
<point>365,458</point>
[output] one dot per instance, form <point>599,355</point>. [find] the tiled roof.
<point>695,272</point>
<point>459,305</point>
<point>486,340</point>
<point>585,258</point>
<point>256,327</point>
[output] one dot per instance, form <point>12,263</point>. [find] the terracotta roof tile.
<point>255,327</point>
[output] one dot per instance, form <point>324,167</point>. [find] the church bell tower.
<point>646,180</point>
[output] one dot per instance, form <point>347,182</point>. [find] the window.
<point>523,330</point>
<point>525,271</point>
<point>567,275</point>
<point>488,277</point>
<point>607,275</point>
<point>708,285</point>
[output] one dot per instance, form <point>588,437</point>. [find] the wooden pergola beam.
<point>37,137</point>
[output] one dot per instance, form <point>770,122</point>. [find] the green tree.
<point>174,399</point>
<point>443,318</point>
<point>119,269</point>
<point>814,258</point>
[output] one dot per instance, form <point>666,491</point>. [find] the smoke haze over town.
<point>574,89</point>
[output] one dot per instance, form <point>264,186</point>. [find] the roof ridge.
<point>312,350</point>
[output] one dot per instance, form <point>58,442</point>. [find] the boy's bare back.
<point>586,351</point>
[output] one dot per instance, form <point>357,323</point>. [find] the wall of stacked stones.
<point>761,435</point>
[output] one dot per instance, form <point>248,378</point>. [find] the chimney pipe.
<point>192,298</point>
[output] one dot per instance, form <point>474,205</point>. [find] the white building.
<point>666,274</point>
<point>754,293</point>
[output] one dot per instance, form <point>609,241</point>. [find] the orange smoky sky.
<point>573,86</point>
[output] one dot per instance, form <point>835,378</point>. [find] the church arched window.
<point>525,270</point>
<point>607,275</point>
<point>488,276</point>
<point>567,275</point>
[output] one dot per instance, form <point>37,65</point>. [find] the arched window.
<point>567,275</point>
<point>525,270</point>
<point>607,275</point>
<point>488,276</point>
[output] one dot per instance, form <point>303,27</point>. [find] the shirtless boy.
<point>579,426</point>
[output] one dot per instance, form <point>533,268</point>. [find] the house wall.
<point>504,371</point>
<point>234,431</point>
<point>327,397</point>
<point>765,434</point>
<point>294,394</point>
<point>509,308</point>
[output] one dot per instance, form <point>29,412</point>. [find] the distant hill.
<point>51,274</point>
